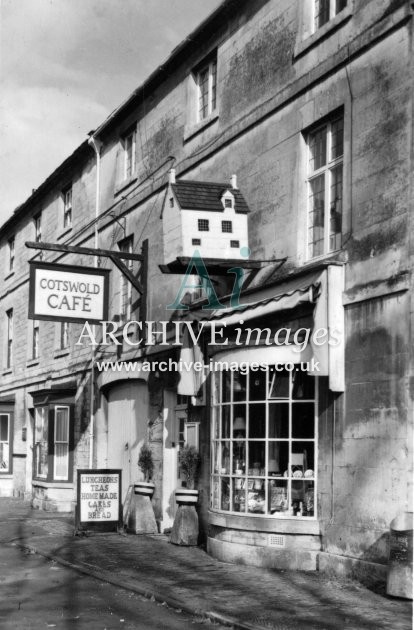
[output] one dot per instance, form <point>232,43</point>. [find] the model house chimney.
<point>171,177</point>
<point>233,181</point>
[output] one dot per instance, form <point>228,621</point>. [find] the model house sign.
<point>207,217</point>
<point>68,293</point>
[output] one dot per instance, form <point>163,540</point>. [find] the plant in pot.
<point>185,527</point>
<point>142,518</point>
<point>146,465</point>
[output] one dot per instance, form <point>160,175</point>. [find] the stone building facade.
<point>310,104</point>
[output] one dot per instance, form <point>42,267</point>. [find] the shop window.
<point>325,10</point>
<point>264,443</point>
<point>52,442</point>
<point>206,81</point>
<point>5,430</point>
<point>325,187</point>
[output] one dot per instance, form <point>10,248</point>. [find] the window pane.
<point>239,457</point>
<point>257,458</point>
<point>257,420</point>
<point>203,99</point>
<point>239,421</point>
<point>340,5</point>
<point>239,386</point>
<point>61,425</point>
<point>226,376</point>
<point>278,420</point>
<point>225,458</point>
<point>213,85</point>
<point>302,459</point>
<point>303,420</point>
<point>317,147</point>
<point>321,12</point>
<point>256,496</point>
<point>316,215</point>
<point>61,461</point>
<point>239,495</point>
<point>4,428</point>
<point>303,386</point>
<point>278,384</point>
<point>225,422</point>
<point>278,459</point>
<point>337,138</point>
<point>302,498</point>
<point>257,385</point>
<point>335,211</point>
<point>225,493</point>
<point>278,497</point>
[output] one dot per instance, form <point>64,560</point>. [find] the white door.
<point>127,428</point>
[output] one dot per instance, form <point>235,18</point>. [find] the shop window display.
<point>264,443</point>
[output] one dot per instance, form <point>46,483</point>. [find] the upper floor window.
<point>67,208</point>
<point>9,349</point>
<point>325,187</point>
<point>38,227</point>
<point>11,245</point>
<point>206,80</point>
<point>129,154</point>
<point>227,226</point>
<point>325,10</point>
<point>126,245</point>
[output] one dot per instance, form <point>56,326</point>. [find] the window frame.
<point>129,155</point>
<point>231,475</point>
<point>63,326</point>
<point>35,339</point>
<point>326,170</point>
<point>57,477</point>
<point>332,12</point>
<point>50,414</point>
<point>125,294</point>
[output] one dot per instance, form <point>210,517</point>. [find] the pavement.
<point>187,579</point>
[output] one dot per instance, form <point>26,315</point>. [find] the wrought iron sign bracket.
<point>115,257</point>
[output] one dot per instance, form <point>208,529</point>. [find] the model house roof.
<point>192,195</point>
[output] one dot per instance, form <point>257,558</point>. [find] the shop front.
<point>270,410</point>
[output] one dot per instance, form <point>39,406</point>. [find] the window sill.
<point>64,233</point>
<point>53,484</point>
<point>125,183</point>
<point>192,130</point>
<point>325,30</point>
<point>7,371</point>
<point>264,523</point>
<point>6,475</point>
<point>32,362</point>
<point>9,275</point>
<point>61,353</point>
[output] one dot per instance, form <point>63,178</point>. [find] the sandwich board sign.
<point>98,500</point>
<point>68,293</point>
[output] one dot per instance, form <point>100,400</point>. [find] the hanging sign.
<point>68,293</point>
<point>99,499</point>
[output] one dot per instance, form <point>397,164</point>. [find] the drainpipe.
<point>96,145</point>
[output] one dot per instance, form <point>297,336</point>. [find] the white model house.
<point>207,217</point>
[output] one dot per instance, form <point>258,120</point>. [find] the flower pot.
<point>145,488</point>
<point>186,496</point>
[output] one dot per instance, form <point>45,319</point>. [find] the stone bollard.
<point>185,527</point>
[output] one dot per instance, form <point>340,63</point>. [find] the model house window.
<point>325,185</point>
<point>41,451</point>
<point>4,442</point>
<point>67,208</point>
<point>325,10</point>
<point>53,427</point>
<point>126,287</point>
<point>228,203</point>
<point>196,241</point>
<point>11,246</point>
<point>64,335</point>
<point>234,244</point>
<point>35,340</point>
<point>203,225</point>
<point>129,154</point>
<point>226,226</point>
<point>206,80</point>
<point>9,328</point>
<point>264,443</point>
<point>38,227</point>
